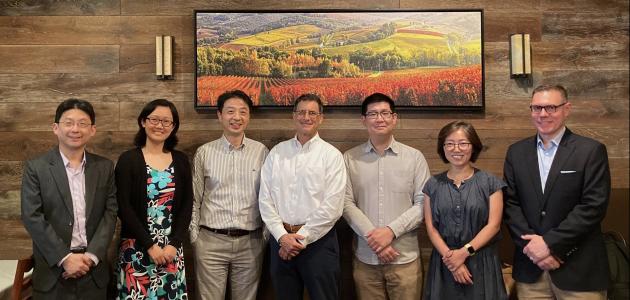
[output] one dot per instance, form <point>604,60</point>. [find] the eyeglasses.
<point>372,115</point>
<point>309,113</point>
<point>155,121</point>
<point>461,146</point>
<point>70,124</point>
<point>548,108</point>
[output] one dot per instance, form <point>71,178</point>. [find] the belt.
<point>228,232</point>
<point>292,228</point>
<point>78,249</point>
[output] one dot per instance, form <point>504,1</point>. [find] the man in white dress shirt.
<point>301,197</point>
<point>383,205</point>
<point>225,229</point>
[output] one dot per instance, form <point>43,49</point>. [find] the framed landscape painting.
<point>422,59</point>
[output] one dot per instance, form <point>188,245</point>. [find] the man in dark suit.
<point>69,209</point>
<point>557,195</point>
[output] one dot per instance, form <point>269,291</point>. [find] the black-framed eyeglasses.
<point>372,115</point>
<point>155,121</point>
<point>461,146</point>
<point>548,108</point>
<point>309,113</point>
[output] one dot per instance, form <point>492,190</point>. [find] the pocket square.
<point>567,172</point>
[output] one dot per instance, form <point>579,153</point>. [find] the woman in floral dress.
<point>154,190</point>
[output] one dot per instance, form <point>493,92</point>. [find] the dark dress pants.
<point>316,268</point>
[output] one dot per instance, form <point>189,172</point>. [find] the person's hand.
<point>462,275</point>
<point>76,265</point>
<point>455,258</point>
<point>379,238</point>
<point>157,254</point>
<point>388,254</point>
<point>549,263</point>
<point>290,244</point>
<point>170,252</point>
<point>536,249</point>
<point>284,254</point>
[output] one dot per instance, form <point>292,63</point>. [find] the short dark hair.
<point>309,97</point>
<point>73,103</point>
<point>375,98</point>
<point>234,94</point>
<point>470,132</point>
<point>141,136</point>
<point>550,87</point>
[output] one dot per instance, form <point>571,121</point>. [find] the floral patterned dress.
<point>138,276</point>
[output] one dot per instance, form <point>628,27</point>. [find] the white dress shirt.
<point>385,190</point>
<point>302,184</point>
<point>226,181</point>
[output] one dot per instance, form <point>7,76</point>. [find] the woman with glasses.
<point>462,211</point>
<point>154,191</point>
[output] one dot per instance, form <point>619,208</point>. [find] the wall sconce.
<point>164,57</point>
<point>520,55</point>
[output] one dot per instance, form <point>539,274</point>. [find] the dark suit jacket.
<point>568,215</point>
<point>131,183</point>
<point>48,216</point>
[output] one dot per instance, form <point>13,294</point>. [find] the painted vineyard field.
<point>417,87</point>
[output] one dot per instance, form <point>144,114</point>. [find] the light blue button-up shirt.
<point>545,156</point>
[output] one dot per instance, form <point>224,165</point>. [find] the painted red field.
<point>426,87</point>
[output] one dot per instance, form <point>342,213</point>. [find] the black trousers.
<point>316,268</point>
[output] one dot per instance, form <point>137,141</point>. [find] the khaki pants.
<point>217,255</point>
<point>375,282</point>
<point>545,289</point>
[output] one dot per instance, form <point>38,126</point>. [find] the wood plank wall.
<point>103,51</point>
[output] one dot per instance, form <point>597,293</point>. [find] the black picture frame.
<point>424,59</point>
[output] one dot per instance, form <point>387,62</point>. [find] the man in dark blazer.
<point>557,195</point>
<point>69,209</point>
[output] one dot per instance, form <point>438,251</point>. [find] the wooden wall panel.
<point>60,30</point>
<point>59,59</point>
<point>59,7</point>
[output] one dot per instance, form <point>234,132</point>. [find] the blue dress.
<point>138,276</point>
<point>458,215</point>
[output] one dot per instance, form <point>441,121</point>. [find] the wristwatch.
<point>471,250</point>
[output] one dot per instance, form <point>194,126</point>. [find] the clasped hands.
<point>380,240</point>
<point>76,265</point>
<point>162,256</point>
<point>539,253</point>
<point>454,260</point>
<point>290,245</point>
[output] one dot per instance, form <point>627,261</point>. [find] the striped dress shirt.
<point>226,181</point>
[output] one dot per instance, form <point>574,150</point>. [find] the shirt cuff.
<point>397,230</point>
<point>60,263</point>
<point>277,230</point>
<point>92,257</point>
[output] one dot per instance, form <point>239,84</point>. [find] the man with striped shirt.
<point>226,228</point>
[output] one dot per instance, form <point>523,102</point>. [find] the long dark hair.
<point>141,136</point>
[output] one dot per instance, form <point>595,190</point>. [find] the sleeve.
<point>494,184</point>
<point>124,174</point>
<point>102,237</point>
<point>587,215</point>
<point>198,180</point>
<point>411,218</point>
<point>267,206</point>
<point>321,220</point>
<point>182,220</point>
<point>512,211</point>
<point>359,222</point>
<point>43,234</point>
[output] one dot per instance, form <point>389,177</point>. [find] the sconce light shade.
<point>520,55</point>
<point>164,57</point>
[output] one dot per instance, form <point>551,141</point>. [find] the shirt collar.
<point>555,141</point>
<point>307,145</point>
<point>229,147</point>
<point>66,161</point>
<point>393,146</point>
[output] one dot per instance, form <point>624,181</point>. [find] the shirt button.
<point>543,213</point>
<point>70,224</point>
